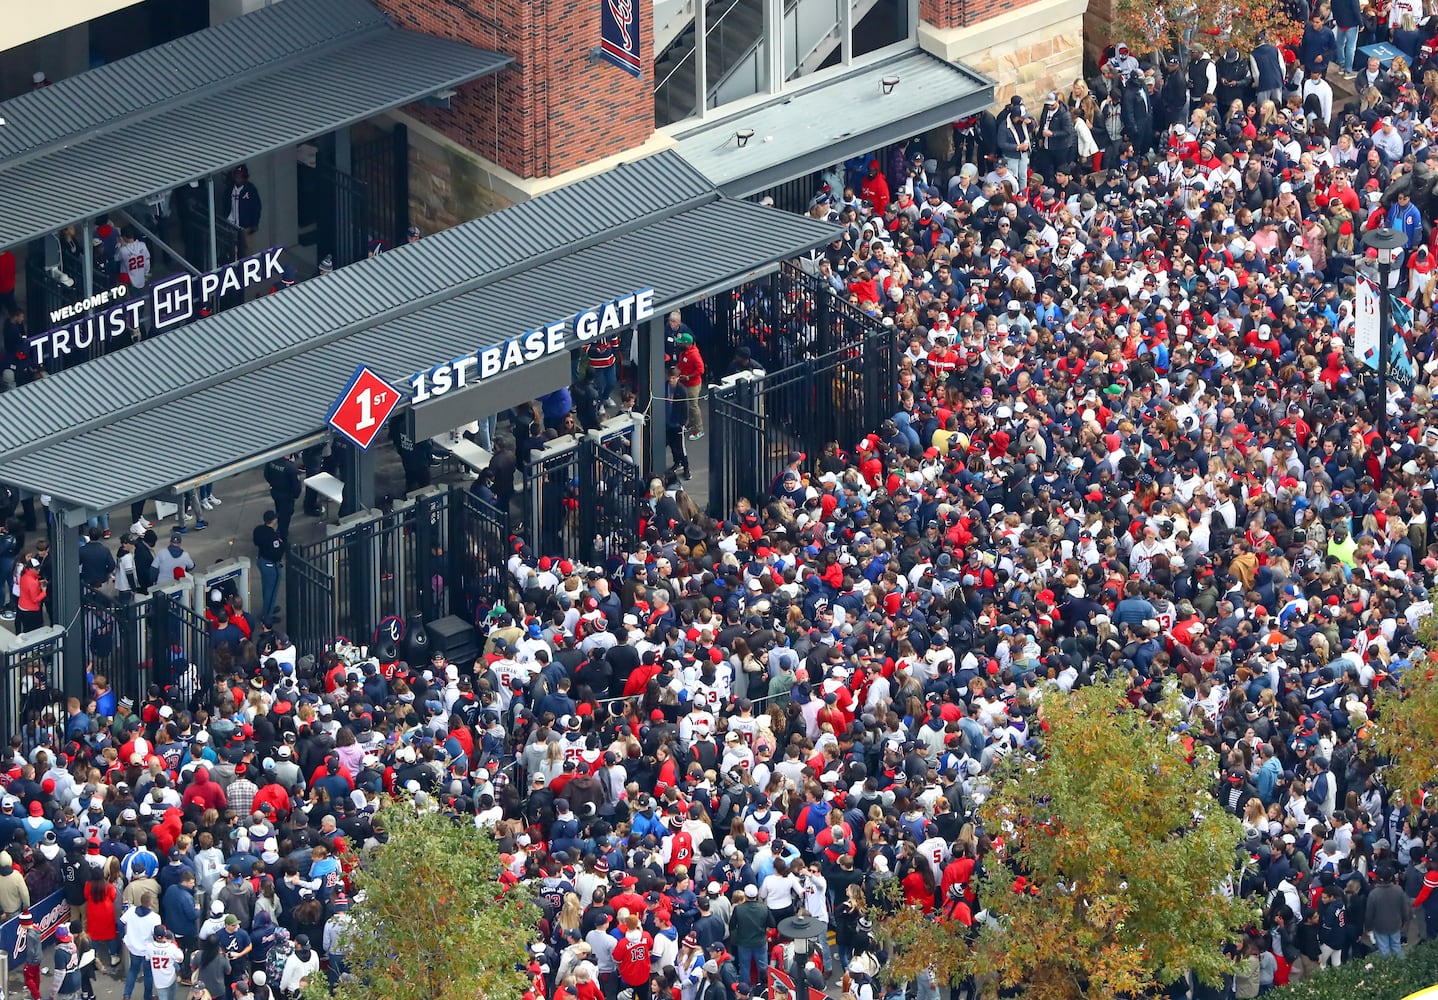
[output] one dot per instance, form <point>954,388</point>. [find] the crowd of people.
<point>1133,442</point>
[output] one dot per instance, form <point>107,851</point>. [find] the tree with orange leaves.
<point>1116,869</point>
<point>1169,25</point>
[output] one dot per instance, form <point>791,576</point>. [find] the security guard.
<point>286,485</point>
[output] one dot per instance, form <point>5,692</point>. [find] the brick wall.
<point>964,13</point>
<point>557,107</point>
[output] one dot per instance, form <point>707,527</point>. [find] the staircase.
<point>733,32</point>
<point>735,64</point>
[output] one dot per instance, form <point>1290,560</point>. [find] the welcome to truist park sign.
<point>166,303</point>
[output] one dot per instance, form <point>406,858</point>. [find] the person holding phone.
<point>32,595</point>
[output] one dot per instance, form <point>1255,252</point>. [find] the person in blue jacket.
<point>1404,215</point>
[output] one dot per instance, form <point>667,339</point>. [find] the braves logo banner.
<point>619,33</point>
<point>49,913</point>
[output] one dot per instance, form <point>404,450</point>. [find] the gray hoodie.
<point>168,559</point>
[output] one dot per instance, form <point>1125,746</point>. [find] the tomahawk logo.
<point>623,11</point>
<point>619,34</point>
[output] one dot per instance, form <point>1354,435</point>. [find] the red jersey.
<point>632,959</point>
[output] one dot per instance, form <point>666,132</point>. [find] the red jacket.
<point>205,793</point>
<point>632,959</point>
<point>276,796</point>
<point>32,590</point>
<point>691,367</point>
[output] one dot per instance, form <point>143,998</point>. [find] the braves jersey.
<point>135,263</point>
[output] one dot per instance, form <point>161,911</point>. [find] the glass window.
<point>885,23</point>
<point>737,48</point>
<point>813,36</point>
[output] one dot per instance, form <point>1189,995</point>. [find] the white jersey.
<point>508,671</point>
<point>165,958</point>
<point>135,263</point>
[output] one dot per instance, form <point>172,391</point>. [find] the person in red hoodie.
<point>274,796</point>
<point>874,189</point>
<point>632,959</point>
<point>204,792</point>
<point>167,831</point>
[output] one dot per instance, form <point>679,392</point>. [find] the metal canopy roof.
<point>832,121</point>
<point>183,110</point>
<point>132,423</point>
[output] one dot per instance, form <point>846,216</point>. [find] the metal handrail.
<point>708,30</point>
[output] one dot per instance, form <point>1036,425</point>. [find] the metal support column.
<point>149,234</point>
<point>214,259</point>
<point>774,49</point>
<point>87,256</point>
<point>400,138</point>
<point>359,475</point>
<point>651,369</point>
<point>701,58</point>
<point>65,594</point>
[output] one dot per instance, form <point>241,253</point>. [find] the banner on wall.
<point>619,34</point>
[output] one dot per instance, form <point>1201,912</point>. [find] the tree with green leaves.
<point>1114,866</point>
<point>431,918</point>
<point>1405,730</point>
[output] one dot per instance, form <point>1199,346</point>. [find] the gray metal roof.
<point>132,423</point>
<point>183,110</point>
<point>832,121</point>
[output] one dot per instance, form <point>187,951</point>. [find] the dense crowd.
<point>1133,442</point>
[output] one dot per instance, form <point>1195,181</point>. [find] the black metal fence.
<point>582,499</point>
<point>438,553</point>
<point>479,547</point>
<point>382,165</point>
<point>32,687</point>
<point>154,640</point>
<point>836,382</point>
<point>615,501</point>
<point>444,551</point>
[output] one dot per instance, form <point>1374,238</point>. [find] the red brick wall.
<point>557,107</point>
<point>942,13</point>
<point>963,13</point>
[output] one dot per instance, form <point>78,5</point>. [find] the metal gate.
<point>32,688</point>
<point>340,214</point>
<point>551,499</point>
<point>582,499</point>
<point>611,499</point>
<point>737,434</point>
<point>841,388</point>
<point>155,639</point>
<point>439,552</point>
<point>382,165</point>
<point>479,547</point>
<point>332,586</point>
<point>194,216</point>
<point>310,613</point>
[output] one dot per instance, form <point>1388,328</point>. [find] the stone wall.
<point>446,187</point>
<point>1027,50</point>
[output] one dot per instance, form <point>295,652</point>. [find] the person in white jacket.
<point>690,966</point>
<point>299,967</point>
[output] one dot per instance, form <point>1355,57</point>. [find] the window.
<point>759,46</point>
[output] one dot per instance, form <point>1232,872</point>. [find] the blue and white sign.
<point>170,302</point>
<point>49,913</point>
<point>619,34</point>
<point>603,320</point>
